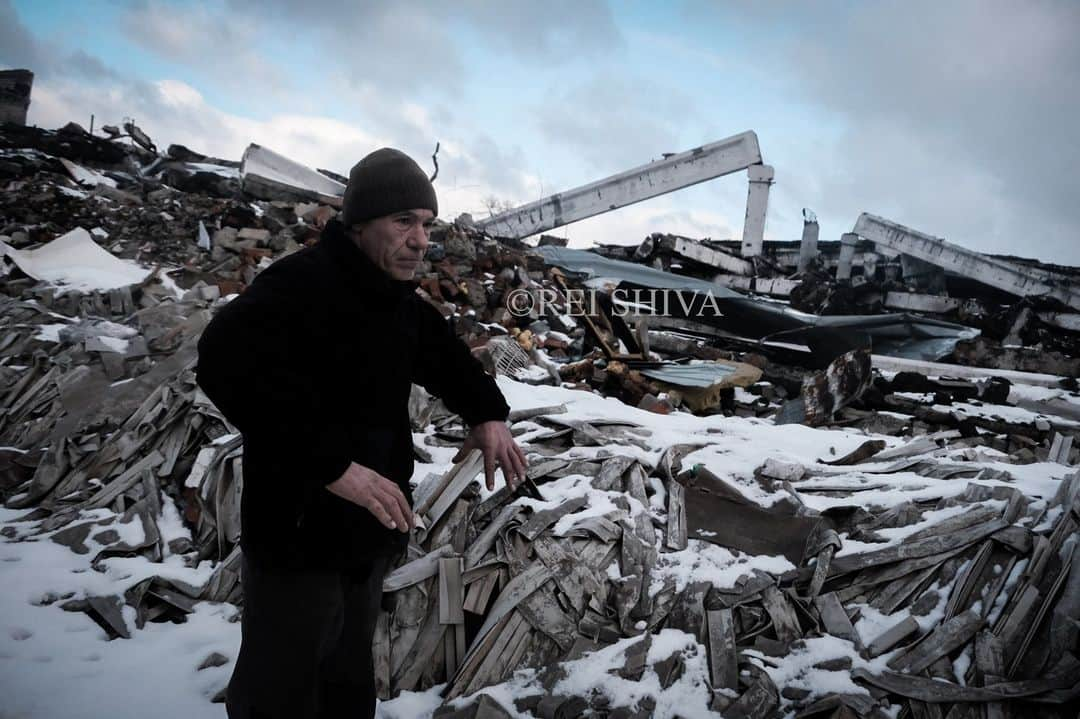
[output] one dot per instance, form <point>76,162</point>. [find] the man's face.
<point>395,243</point>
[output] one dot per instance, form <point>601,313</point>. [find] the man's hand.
<point>376,494</point>
<point>498,446</point>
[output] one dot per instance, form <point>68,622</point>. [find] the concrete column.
<point>15,86</point>
<point>757,205</point>
<point>869,265</point>
<point>847,253</point>
<point>1014,279</point>
<point>922,276</point>
<point>808,247</point>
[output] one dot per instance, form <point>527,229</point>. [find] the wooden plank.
<point>892,636</point>
<point>821,570</point>
<point>940,642</point>
<point>106,612</point>
<point>785,622</point>
<point>611,472</point>
<point>662,604</point>
<point>542,611</point>
<point>917,548</point>
<point>546,517</point>
<point>451,591</point>
<point>497,499</point>
<point>417,570</point>
<point>898,592</point>
<point>413,608</point>
<point>975,516</point>
<point>520,587</point>
<point>890,572</point>
<point>457,479</point>
<point>963,588</point>
<point>519,415</point>
<point>835,619</point>
<point>569,573</point>
<point>1065,675</point>
<point>1009,624</point>
<point>480,546</point>
<point>924,710</point>
<point>478,652</point>
<point>449,530</point>
<point>998,583</point>
<point>643,528</point>
<point>688,612</point>
<point>1019,539</point>
<point>1047,604</point>
<point>1065,621</point>
<point>460,646</point>
<point>636,659</point>
<point>675,537</point>
<point>634,485</point>
<point>479,593</point>
<point>759,700</point>
<point>989,655</point>
<point>723,659</point>
<point>124,482</point>
<point>601,528</point>
<point>1060,448</point>
<point>491,669</point>
<point>449,647</point>
<point>627,593</point>
<point>717,513</point>
<point>380,653</point>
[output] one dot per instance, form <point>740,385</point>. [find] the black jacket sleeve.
<point>253,365</point>
<point>445,367</point>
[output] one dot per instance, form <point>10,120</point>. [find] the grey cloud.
<point>960,117</point>
<point>18,48</point>
<point>214,45</point>
<point>88,67</point>
<point>401,48</point>
<point>614,121</point>
<point>495,165</point>
<point>398,48</point>
<point>552,31</point>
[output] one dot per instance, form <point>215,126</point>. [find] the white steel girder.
<point>1011,278</point>
<point>674,172</point>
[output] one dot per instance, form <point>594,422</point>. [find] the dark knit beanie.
<point>385,182</point>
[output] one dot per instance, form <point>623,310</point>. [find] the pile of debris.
<point>977,604</point>
<point>1028,312</point>
<point>792,524</point>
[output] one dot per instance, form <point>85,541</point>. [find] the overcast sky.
<point>956,118</point>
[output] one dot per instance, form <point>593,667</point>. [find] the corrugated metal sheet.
<point>704,374</point>
<point>897,335</point>
<point>594,265</point>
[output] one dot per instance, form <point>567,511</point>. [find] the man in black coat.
<point>313,363</point>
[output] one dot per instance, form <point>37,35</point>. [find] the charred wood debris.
<point>103,424</point>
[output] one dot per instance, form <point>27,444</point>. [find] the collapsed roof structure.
<point>792,503</point>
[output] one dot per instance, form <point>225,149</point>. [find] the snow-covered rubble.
<point>915,549</point>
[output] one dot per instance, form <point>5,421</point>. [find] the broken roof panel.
<point>268,175</point>
<point>76,262</point>
<point>596,266</point>
<point>698,374</point>
<point>900,335</point>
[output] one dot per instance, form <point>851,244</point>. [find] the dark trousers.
<point>305,650</point>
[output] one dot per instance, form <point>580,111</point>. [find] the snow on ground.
<point>55,663</point>
<point>1029,395</point>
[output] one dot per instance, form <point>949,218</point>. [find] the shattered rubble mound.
<point>745,512</point>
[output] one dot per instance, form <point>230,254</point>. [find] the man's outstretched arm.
<point>252,367</point>
<point>447,369</point>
